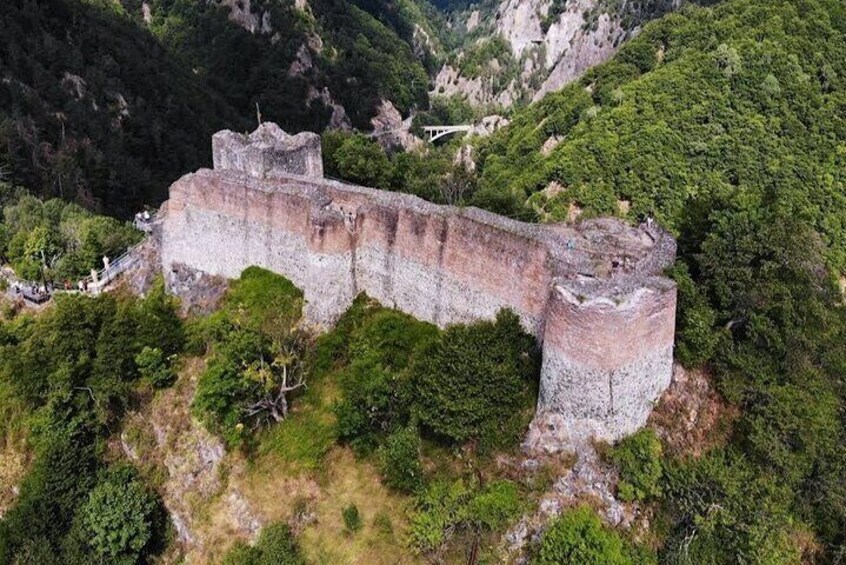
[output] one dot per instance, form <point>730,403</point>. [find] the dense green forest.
<point>94,110</point>
<point>101,108</point>
<point>55,240</point>
<point>366,55</point>
<point>728,125</point>
<point>69,376</point>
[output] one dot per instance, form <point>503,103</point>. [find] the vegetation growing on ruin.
<point>370,387</point>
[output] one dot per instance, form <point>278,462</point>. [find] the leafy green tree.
<point>724,511</point>
<point>473,380</point>
<point>259,347</point>
<point>363,161</point>
<point>119,518</point>
<point>377,390</point>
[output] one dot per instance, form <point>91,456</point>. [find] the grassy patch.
<point>15,455</point>
<point>349,481</point>
<point>301,441</point>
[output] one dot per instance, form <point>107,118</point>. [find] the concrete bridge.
<point>437,132</point>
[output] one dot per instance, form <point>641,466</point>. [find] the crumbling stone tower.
<point>593,294</point>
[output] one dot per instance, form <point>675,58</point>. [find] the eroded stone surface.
<point>268,151</point>
<point>592,293</point>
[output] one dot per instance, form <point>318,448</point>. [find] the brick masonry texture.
<point>593,294</point>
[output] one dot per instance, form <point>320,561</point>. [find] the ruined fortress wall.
<point>605,363</point>
<point>592,294</point>
<point>433,266</point>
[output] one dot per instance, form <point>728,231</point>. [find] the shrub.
<point>352,519</point>
<point>259,297</point>
<point>154,367</point>
<point>276,546</point>
<point>439,510</point>
<point>638,459</point>
<point>241,554</point>
<point>472,381</point>
<point>376,389</point>
<point>399,460</point>
<point>496,504</point>
<point>578,538</point>
<point>119,518</point>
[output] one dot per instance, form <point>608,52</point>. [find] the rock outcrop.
<point>593,294</point>
<point>391,131</point>
<point>552,43</point>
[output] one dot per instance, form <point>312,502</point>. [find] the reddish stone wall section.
<point>592,294</point>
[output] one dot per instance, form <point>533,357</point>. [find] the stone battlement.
<point>593,294</point>
<point>268,151</point>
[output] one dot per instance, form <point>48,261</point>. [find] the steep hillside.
<point>726,124</point>
<point>307,64</point>
<point>515,51</point>
<point>105,102</point>
<point>94,110</point>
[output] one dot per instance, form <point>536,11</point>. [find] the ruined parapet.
<point>268,151</point>
<point>593,294</point>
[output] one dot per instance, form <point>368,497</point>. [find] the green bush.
<point>120,518</point>
<point>352,519</point>
<point>241,554</point>
<point>474,381</point>
<point>638,460</point>
<point>578,538</point>
<point>258,298</point>
<point>495,505</point>
<point>276,546</point>
<point>154,367</point>
<point>439,510</point>
<point>377,394</point>
<point>399,460</point>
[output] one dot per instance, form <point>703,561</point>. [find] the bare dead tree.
<point>457,186</point>
<point>285,373</point>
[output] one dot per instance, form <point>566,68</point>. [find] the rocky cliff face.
<point>551,43</point>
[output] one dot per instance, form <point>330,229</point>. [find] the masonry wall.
<point>607,336</point>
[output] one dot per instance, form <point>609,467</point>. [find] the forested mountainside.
<point>106,104</point>
<point>307,64</point>
<point>509,52</point>
<point>94,110</point>
<point>727,125</point>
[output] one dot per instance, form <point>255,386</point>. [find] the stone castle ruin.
<point>593,294</point>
